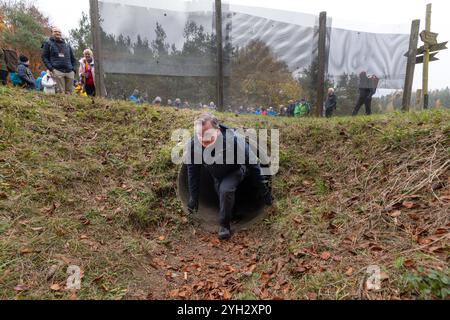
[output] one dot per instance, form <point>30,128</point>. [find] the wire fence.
<point>167,50</point>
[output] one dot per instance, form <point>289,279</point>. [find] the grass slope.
<point>91,184</point>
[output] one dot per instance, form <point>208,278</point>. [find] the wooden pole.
<point>220,74</point>
<point>426,60</point>
<point>96,39</point>
<point>411,65</point>
<point>321,64</point>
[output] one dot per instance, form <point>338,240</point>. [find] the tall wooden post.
<point>220,74</point>
<point>96,39</point>
<point>321,64</point>
<point>418,99</point>
<point>426,60</point>
<point>411,65</point>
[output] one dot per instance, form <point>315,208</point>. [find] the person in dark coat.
<point>59,59</point>
<point>25,74</point>
<point>216,139</point>
<point>3,68</point>
<point>291,109</point>
<point>366,91</point>
<point>331,103</point>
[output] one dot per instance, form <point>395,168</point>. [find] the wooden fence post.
<point>96,39</point>
<point>220,73</point>
<point>321,64</point>
<point>426,59</point>
<point>411,65</point>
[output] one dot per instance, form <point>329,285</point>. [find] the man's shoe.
<point>224,233</point>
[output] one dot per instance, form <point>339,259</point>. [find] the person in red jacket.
<point>87,72</point>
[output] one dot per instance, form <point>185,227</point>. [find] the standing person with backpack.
<point>367,88</point>
<point>10,59</point>
<point>3,68</point>
<point>302,109</point>
<point>291,109</point>
<point>59,59</point>
<point>87,72</point>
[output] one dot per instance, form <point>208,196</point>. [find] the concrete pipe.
<point>249,207</point>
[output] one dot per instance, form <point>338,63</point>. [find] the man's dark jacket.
<point>58,55</point>
<point>220,171</point>
<point>25,74</point>
<point>3,66</point>
<point>331,102</point>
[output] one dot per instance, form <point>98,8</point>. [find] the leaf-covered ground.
<point>92,184</point>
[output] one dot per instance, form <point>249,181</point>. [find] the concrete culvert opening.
<point>249,207</point>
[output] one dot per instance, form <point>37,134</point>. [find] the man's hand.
<point>192,206</point>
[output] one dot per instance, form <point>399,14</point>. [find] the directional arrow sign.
<point>433,48</point>
<point>419,59</point>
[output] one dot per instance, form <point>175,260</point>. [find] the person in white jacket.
<point>87,72</point>
<point>49,84</point>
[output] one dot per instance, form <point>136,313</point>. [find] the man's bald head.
<point>56,33</point>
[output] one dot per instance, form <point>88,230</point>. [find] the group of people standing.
<point>59,60</point>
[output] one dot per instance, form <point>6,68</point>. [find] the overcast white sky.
<point>350,13</point>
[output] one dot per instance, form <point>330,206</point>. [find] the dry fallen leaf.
<point>384,276</point>
<point>349,272</point>
<point>26,251</point>
<point>395,214</point>
<point>409,204</point>
<point>298,220</point>
<point>325,256</point>
<point>437,249</point>
<point>55,287</point>
<point>73,296</point>
<point>174,293</point>
<point>409,264</point>
<point>441,231</point>
<point>21,288</point>
<point>424,241</point>
<point>51,272</point>
<point>227,295</point>
<point>312,296</point>
<point>65,260</point>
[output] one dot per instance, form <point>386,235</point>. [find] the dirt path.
<point>199,266</point>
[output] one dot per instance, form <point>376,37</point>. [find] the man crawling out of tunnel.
<point>228,158</point>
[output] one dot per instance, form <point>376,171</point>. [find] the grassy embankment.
<point>92,184</point>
